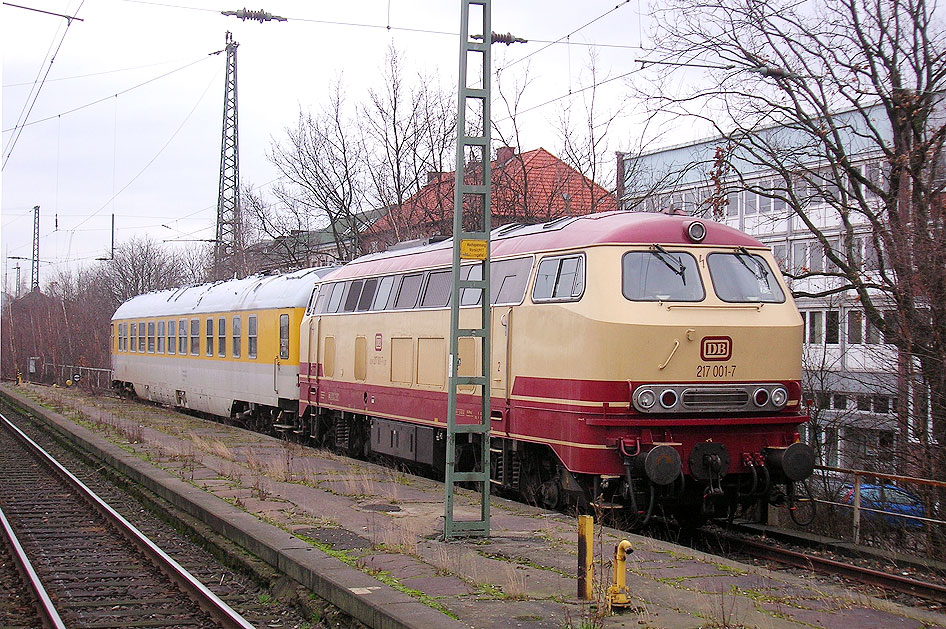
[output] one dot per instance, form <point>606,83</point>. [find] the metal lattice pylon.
<point>34,277</point>
<point>228,245</point>
<point>472,191</point>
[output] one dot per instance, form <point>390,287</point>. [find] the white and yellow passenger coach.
<point>226,348</point>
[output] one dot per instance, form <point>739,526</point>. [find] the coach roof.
<point>617,228</point>
<point>289,290</point>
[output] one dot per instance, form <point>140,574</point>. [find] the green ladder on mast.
<point>472,191</point>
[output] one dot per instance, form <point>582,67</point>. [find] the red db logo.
<point>377,342</point>
<point>716,348</point>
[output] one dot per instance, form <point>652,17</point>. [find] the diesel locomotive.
<point>638,361</point>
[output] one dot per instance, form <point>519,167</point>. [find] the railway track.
<point>95,567</point>
<point>770,550</point>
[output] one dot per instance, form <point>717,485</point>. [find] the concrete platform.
<point>365,537</point>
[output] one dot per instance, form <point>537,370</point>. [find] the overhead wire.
<point>91,74</point>
<point>21,121</point>
<point>116,94</point>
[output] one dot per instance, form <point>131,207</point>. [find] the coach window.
<point>437,293</point>
<point>367,294</point>
<point>251,336</point>
<point>235,331</point>
<point>560,279</point>
<point>354,292</point>
<point>134,337</point>
<point>151,337</point>
<point>195,337</point>
<point>743,277</point>
<point>141,337</point>
<point>182,337</point>
<point>172,335</point>
<point>383,294</point>
<point>659,275</point>
<point>209,348</point>
<point>284,336</point>
<point>222,337</point>
<point>160,337</point>
<point>407,294</point>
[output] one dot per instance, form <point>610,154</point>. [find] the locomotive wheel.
<point>539,483</point>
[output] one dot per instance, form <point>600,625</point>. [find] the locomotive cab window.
<point>560,279</point>
<point>743,277</point>
<point>661,275</point>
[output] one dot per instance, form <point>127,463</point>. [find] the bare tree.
<point>323,165</point>
<point>843,103</point>
<point>140,265</point>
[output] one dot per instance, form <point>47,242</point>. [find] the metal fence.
<point>90,377</point>
<point>857,481</point>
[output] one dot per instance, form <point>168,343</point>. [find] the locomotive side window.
<point>437,293</point>
<point>160,337</point>
<point>560,279</point>
<point>383,294</point>
<point>659,275</point>
<point>471,296</point>
<point>210,337</point>
<point>251,336</point>
<point>222,337</point>
<point>195,337</point>
<point>235,331</point>
<point>743,277</point>
<point>354,292</point>
<point>337,289</point>
<point>508,280</point>
<point>367,294</point>
<point>172,336</point>
<point>324,291</point>
<point>284,336</point>
<point>182,337</point>
<point>407,294</point>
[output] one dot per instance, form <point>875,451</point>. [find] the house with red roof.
<point>527,188</point>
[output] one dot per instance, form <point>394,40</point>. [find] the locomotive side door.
<point>499,370</point>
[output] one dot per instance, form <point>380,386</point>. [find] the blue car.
<point>889,498</point>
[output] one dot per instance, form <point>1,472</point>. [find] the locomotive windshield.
<point>660,275</point>
<point>743,277</point>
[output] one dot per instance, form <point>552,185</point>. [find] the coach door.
<point>283,354</point>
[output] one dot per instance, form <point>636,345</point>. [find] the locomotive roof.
<point>609,228</point>
<point>287,290</point>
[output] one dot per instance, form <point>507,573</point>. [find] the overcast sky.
<point>151,154</point>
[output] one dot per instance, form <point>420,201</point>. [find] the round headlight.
<point>646,399</point>
<point>696,231</point>
<point>668,398</point>
<point>779,397</point>
<point>760,397</point>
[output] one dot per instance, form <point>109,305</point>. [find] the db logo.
<point>716,348</point>
<point>377,342</point>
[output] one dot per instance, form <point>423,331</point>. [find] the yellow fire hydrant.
<point>618,594</point>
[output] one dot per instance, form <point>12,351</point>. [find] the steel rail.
<point>44,604</point>
<point>207,600</point>
<point>906,585</point>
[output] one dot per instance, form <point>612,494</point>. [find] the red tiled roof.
<point>530,187</point>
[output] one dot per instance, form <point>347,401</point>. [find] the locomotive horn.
<point>796,462</point>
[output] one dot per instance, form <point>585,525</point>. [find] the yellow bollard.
<point>586,529</point>
<point>618,594</point>
<point>19,378</point>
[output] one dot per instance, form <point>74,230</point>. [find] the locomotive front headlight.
<point>760,397</point>
<point>696,231</point>
<point>779,397</point>
<point>646,399</point>
<point>668,399</point>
